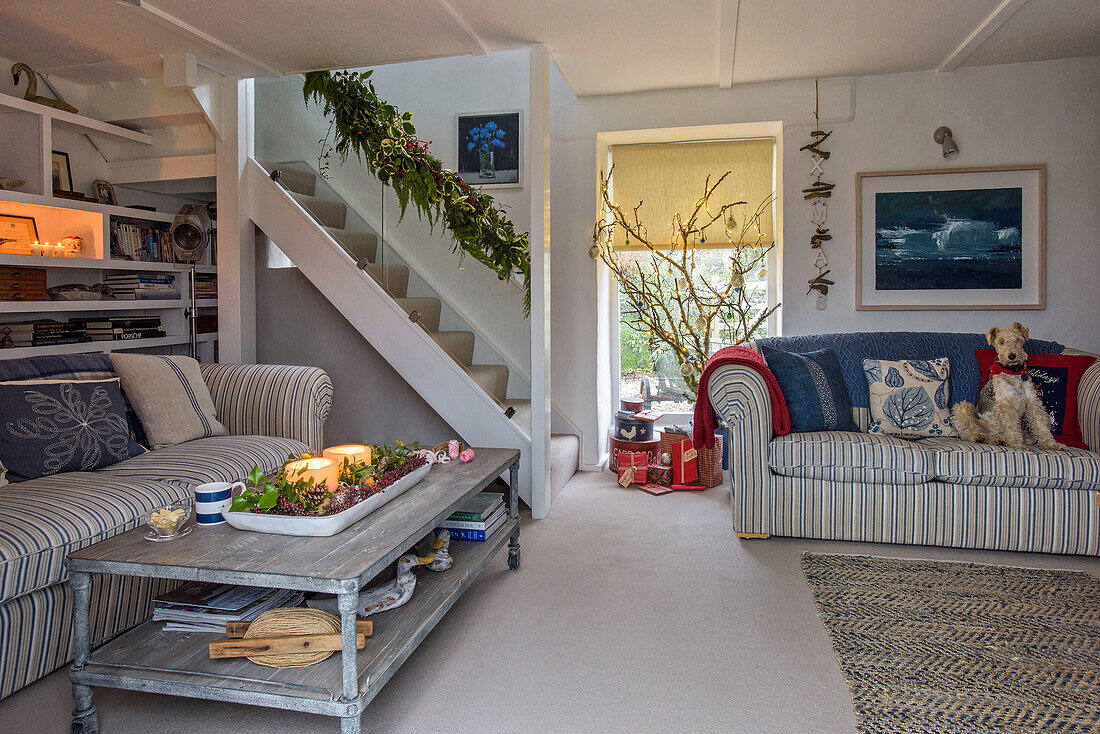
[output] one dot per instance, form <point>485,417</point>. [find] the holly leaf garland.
<point>384,140</point>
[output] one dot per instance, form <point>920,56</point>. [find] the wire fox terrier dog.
<point>1010,408</point>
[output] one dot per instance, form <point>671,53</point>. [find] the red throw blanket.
<point>706,421</point>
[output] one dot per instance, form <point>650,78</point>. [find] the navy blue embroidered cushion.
<point>52,427</point>
<point>813,388</point>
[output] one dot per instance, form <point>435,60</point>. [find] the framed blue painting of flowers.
<point>490,148</point>
<point>951,239</point>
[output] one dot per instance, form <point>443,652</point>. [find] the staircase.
<point>344,265</point>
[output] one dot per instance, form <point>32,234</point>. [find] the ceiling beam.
<point>454,19</point>
<point>151,12</point>
<point>727,41</point>
<point>977,37</point>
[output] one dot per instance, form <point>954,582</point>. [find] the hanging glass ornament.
<point>763,274</point>
<point>685,369</point>
<point>594,251</point>
<point>700,323</point>
<point>737,279</point>
<point>682,283</point>
<point>731,225</point>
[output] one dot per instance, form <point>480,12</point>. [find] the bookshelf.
<point>29,133</point>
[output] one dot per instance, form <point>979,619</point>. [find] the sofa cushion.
<point>814,390</point>
<point>43,520</point>
<point>215,459</point>
<point>852,349</point>
<point>909,397</point>
<point>170,397</point>
<point>850,457</point>
<point>963,462</point>
<point>53,427</point>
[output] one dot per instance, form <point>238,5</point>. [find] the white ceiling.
<point>610,46</point>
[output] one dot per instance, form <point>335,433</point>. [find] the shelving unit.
<point>27,139</point>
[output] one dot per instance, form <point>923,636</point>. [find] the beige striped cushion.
<point>962,462</point>
<point>850,457</point>
<point>169,396</point>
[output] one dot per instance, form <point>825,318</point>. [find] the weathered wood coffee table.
<point>177,663</point>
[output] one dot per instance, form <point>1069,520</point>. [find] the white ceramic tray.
<point>329,524</point>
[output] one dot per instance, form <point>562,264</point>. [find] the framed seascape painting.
<point>490,147</point>
<point>951,239</point>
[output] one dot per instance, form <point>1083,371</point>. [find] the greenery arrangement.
<point>680,297</point>
<point>384,140</point>
<point>277,494</point>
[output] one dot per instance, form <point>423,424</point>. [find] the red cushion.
<point>1057,375</point>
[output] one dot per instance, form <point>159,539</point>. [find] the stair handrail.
<point>384,140</point>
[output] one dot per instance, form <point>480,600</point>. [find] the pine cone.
<point>315,498</point>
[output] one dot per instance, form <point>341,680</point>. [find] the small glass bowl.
<point>168,521</point>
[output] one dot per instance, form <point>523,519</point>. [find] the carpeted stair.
<point>492,378</point>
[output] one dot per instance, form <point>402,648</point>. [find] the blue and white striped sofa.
<point>936,491</point>
<point>270,411</point>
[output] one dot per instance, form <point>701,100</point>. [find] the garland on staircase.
<point>385,141</point>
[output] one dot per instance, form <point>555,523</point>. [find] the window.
<point>669,178</point>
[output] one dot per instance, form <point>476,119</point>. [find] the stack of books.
<point>134,242</point>
<point>478,519</point>
<point>202,607</point>
<point>100,328</point>
<point>206,287</point>
<point>142,286</point>
<point>42,332</point>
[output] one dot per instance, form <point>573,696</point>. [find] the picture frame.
<point>104,192</point>
<point>62,173</point>
<point>951,239</point>
<point>17,234</point>
<point>489,148</point>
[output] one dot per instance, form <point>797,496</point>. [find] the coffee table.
<point>147,658</point>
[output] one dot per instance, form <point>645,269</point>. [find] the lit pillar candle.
<point>316,470</point>
<point>353,452</point>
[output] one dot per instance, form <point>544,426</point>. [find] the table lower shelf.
<point>177,663</point>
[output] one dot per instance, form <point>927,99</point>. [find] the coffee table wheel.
<point>513,558</point>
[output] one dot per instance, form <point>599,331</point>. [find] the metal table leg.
<point>348,603</point>
<point>85,720</point>
<point>513,511</point>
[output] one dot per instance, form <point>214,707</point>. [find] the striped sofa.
<point>270,411</point>
<point>936,491</point>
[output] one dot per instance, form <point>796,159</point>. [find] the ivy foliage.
<point>384,140</point>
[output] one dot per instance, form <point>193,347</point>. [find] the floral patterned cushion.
<point>909,397</point>
<point>54,426</point>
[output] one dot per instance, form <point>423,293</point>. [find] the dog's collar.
<point>999,369</point>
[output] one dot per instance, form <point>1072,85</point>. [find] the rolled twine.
<point>292,621</point>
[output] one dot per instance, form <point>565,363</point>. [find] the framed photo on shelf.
<point>62,174</point>
<point>490,148</point>
<point>951,239</point>
<point>104,192</point>
<point>17,234</point>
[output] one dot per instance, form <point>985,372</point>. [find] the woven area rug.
<point>957,648</point>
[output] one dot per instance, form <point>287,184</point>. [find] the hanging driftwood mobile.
<point>817,194</point>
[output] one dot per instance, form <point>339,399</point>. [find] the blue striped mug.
<point>213,499</point>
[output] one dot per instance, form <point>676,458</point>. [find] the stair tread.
<point>429,309</point>
<point>294,180</point>
<point>493,379</point>
<point>458,344</point>
<point>329,213</point>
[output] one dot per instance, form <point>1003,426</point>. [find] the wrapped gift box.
<point>660,474</point>
<point>650,448</point>
<point>632,468</point>
<point>685,463</point>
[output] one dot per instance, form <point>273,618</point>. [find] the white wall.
<point>434,91</point>
<point>1043,112</point>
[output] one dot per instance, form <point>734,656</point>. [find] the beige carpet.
<point>631,614</point>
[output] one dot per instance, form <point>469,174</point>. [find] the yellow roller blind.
<point>669,179</point>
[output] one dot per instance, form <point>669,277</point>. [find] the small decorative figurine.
<point>31,95</point>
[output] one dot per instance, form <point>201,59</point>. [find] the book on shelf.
<point>199,606</point>
<point>476,535</point>
<point>450,524</point>
<point>141,243</point>
<point>480,507</point>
